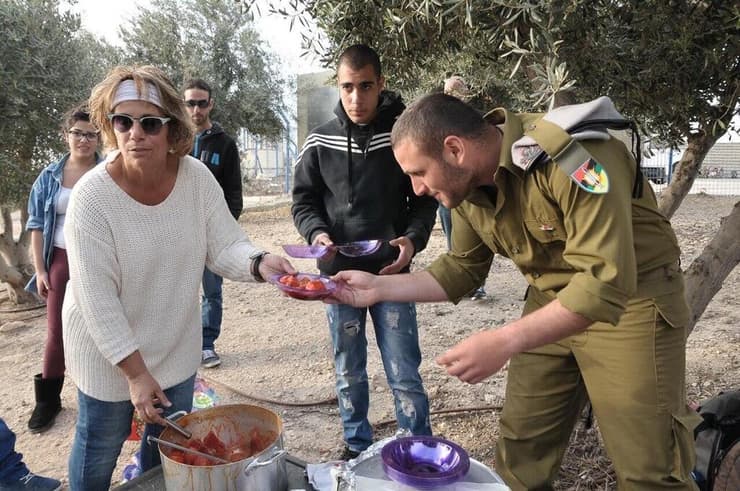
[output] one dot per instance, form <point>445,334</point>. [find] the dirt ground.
<point>276,353</point>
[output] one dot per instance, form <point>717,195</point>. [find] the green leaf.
<point>516,67</point>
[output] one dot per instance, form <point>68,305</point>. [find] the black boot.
<point>48,403</point>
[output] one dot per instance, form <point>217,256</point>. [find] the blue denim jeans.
<point>101,429</point>
<point>12,467</point>
<point>211,307</point>
<point>398,339</point>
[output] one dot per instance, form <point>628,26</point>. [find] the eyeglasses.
<point>151,125</point>
<point>80,135</point>
<point>201,103</point>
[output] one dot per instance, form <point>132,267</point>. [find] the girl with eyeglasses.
<point>47,206</point>
<point>140,231</point>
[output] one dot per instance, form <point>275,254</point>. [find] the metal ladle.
<point>151,439</point>
<point>178,428</point>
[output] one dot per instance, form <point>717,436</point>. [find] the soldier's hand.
<point>477,357</point>
<point>355,288</point>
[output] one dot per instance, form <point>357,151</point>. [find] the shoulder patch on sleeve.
<point>591,176</point>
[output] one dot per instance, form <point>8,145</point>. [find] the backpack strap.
<point>707,442</point>
<point>570,156</point>
<point>557,134</point>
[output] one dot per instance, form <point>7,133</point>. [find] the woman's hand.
<point>145,394</point>
<point>42,283</point>
<point>144,390</point>
<point>272,264</point>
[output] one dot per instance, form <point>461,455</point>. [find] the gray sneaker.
<point>209,359</point>
<point>32,482</point>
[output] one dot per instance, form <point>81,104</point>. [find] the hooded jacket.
<point>348,184</point>
<point>219,152</point>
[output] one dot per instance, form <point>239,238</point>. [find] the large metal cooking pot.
<point>261,472</point>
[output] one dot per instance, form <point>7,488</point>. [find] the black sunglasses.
<point>151,125</point>
<point>201,103</point>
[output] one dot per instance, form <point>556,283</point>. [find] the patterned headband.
<point>127,91</point>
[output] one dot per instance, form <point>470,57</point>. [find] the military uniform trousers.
<point>634,375</point>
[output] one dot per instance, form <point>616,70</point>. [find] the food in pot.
<point>252,443</point>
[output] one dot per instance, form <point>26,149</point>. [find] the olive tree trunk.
<point>15,267</point>
<point>685,173</point>
<point>706,274</point>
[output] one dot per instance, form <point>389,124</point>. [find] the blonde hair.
<point>180,130</point>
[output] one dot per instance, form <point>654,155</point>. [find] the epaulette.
<point>557,134</point>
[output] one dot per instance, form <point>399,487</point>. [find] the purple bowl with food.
<point>304,286</point>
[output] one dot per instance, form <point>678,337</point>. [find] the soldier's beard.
<point>457,183</point>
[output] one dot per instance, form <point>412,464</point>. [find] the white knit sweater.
<point>135,272</point>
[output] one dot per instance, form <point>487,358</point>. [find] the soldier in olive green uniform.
<point>605,315</point>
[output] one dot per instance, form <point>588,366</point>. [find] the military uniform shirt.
<point>591,251</point>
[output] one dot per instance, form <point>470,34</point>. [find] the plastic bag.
<point>204,396</point>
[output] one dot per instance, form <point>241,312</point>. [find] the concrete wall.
<point>316,101</point>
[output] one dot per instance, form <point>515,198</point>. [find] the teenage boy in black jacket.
<point>348,186</point>
<point>218,151</point>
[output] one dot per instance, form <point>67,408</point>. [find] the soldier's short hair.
<point>434,117</point>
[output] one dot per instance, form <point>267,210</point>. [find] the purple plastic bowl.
<point>424,462</point>
<point>302,293</point>
<point>359,248</point>
<point>350,249</point>
<point>306,251</point>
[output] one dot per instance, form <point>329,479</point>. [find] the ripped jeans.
<point>398,339</point>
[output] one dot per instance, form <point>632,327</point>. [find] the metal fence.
<point>267,165</point>
<point>716,187</point>
<point>719,174</point>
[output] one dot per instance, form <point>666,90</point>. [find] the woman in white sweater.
<point>140,229</point>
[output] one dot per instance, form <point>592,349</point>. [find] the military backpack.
<point>717,440</point>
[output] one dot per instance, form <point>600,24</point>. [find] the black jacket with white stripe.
<point>348,184</point>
